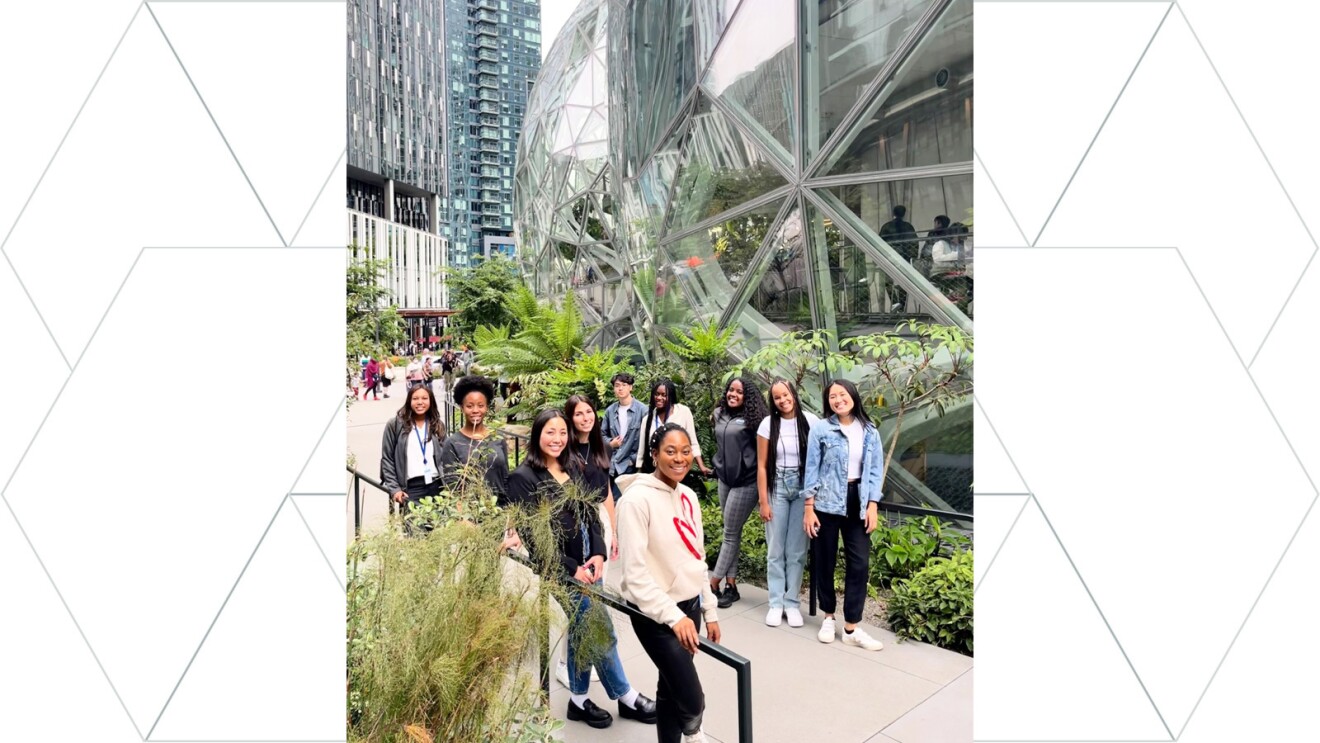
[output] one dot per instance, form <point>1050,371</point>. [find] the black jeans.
<point>679,700</point>
<point>856,558</point>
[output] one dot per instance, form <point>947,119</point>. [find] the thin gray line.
<point>319,495</point>
<point>33,302</point>
<point>1102,123</point>
<point>1286,302</point>
<point>338,404</point>
<point>74,619</point>
<point>1000,194</point>
<point>1273,172</point>
<point>106,314</point>
<point>1213,314</point>
<point>1076,247</point>
<point>998,495</point>
<point>1007,534</point>
<point>1251,611</point>
<point>46,170</point>
<point>1000,439</point>
<point>223,604</point>
<point>328,176</point>
<point>224,139</point>
<point>317,542</point>
<point>1103,618</point>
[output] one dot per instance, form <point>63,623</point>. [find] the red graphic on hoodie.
<point>685,528</point>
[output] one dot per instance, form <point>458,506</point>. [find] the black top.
<point>529,486</point>
<point>735,450</point>
<point>592,477</point>
<point>488,454</point>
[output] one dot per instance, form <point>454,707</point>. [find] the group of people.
<point>422,369</point>
<point>808,478</point>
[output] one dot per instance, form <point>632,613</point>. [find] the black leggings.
<point>856,558</point>
<point>679,700</point>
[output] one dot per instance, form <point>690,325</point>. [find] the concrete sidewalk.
<point>803,690</point>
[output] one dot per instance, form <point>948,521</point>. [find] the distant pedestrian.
<point>372,378</point>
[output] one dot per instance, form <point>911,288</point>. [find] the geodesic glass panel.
<point>923,115</point>
<point>712,263</point>
<point>752,72</point>
<point>712,17</point>
<point>778,299</point>
<point>721,170</point>
<point>846,45</point>
<point>655,52</point>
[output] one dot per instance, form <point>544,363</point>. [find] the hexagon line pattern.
<point>1247,366</point>
<point>8,493</point>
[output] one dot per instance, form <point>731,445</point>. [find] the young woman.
<point>410,449</point>
<point>371,375</point>
<point>588,447</point>
<point>841,491</point>
<point>737,418</point>
<point>474,445</point>
<point>664,576</point>
<point>665,408</point>
<point>581,552</point>
<point>781,441</point>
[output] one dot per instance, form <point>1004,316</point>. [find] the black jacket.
<point>394,453</point>
<point>530,485</point>
<point>735,450</point>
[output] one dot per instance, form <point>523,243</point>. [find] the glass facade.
<point>748,162</point>
<point>493,52</point>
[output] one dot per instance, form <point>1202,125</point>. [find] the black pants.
<point>416,490</point>
<point>856,558</point>
<point>679,700</point>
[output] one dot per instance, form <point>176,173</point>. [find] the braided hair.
<point>671,393</point>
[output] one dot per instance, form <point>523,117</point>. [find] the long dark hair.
<point>775,417</point>
<point>534,456</point>
<point>753,407</point>
<point>432,417</point>
<point>595,443</point>
<point>671,392</point>
<point>858,411</point>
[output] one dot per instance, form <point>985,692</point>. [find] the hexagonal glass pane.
<point>752,72</point>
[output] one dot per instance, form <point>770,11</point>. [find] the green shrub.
<point>898,552</point>
<point>935,605</point>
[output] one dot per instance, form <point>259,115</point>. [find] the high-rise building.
<point>396,155</point>
<point>492,54</point>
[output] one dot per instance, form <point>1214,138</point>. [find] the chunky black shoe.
<point>591,714</point>
<point>643,712</point>
<point>729,596</point>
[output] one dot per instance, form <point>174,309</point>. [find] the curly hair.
<point>470,384</point>
<point>753,408</point>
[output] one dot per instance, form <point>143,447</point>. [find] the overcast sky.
<point>553,15</point>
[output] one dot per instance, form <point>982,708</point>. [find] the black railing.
<point>741,666</point>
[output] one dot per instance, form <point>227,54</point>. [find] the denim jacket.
<point>826,478</point>
<point>621,459</point>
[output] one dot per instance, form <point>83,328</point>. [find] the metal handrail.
<point>741,666</point>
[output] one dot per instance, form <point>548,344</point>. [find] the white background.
<point>171,321</point>
<point>1145,429</point>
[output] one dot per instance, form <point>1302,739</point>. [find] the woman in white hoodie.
<point>660,544</point>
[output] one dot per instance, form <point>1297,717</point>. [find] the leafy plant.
<point>703,352</point>
<point>898,552</point>
<point>481,293</point>
<point>935,604</point>
<point>589,374</point>
<point>549,336</point>
<point>796,357</point>
<point>373,322</point>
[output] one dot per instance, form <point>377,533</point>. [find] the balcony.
<point>487,29</point>
<point>495,222</point>
<point>489,133</point>
<point>486,4</point>
<point>489,145</point>
<point>486,94</point>
<point>490,183</point>
<point>491,197</point>
<point>488,120</point>
<point>489,16</point>
<point>488,55</point>
<point>488,81</point>
<point>488,68</point>
<point>489,171</point>
<point>487,107</point>
<point>490,159</point>
<point>487,42</point>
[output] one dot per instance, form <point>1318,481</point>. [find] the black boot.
<point>729,596</point>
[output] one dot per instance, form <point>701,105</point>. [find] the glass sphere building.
<point>695,160</point>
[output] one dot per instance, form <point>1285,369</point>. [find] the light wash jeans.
<point>786,541</point>
<point>608,666</point>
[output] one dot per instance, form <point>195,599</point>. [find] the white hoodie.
<point>661,548</point>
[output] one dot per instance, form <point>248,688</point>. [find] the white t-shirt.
<point>786,451</point>
<point>623,419</point>
<point>856,436</point>
<point>416,467</point>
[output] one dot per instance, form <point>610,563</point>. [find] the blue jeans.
<point>608,665</point>
<point>785,540</point>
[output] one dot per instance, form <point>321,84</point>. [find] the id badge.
<point>429,474</point>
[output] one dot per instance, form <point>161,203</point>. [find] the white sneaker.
<point>697,737</point>
<point>774,617</point>
<point>561,673</point>
<point>826,633</point>
<point>859,639</point>
<point>794,616</point>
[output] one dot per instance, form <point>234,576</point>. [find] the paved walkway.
<point>802,690</point>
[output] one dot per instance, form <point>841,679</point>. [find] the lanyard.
<point>420,442</point>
